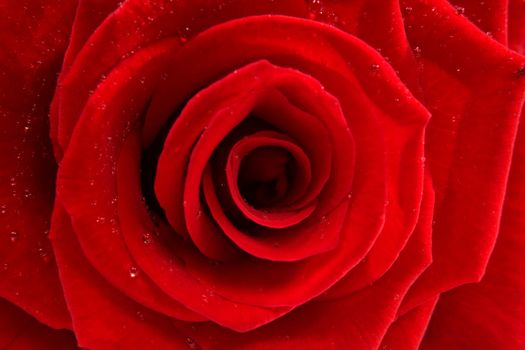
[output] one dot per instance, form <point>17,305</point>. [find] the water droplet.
<point>3,209</point>
<point>417,51</point>
<point>133,272</point>
<point>147,238</point>
<point>349,195</point>
<point>204,298</point>
<point>183,35</point>
<point>191,343</point>
<point>44,255</point>
<point>140,315</point>
<point>13,236</point>
<point>374,67</point>
<point>100,220</point>
<point>423,159</point>
<point>460,10</point>
<point>408,10</point>
<point>199,213</point>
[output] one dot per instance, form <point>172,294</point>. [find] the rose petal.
<point>86,179</point>
<point>89,15</point>
<point>408,330</point>
<point>269,141</point>
<point>134,29</point>
<point>172,96</point>
<point>357,321</point>
<point>468,147</point>
<point>489,16</point>
<point>19,331</point>
<point>166,263</point>
<point>370,21</point>
<point>169,186</point>
<point>33,36</point>
<point>125,324</point>
<point>490,314</point>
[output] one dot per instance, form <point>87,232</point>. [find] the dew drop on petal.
<point>44,255</point>
<point>183,35</point>
<point>459,10</point>
<point>13,236</point>
<point>133,272</point>
<point>417,51</point>
<point>191,343</point>
<point>147,238</point>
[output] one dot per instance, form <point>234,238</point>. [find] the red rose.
<point>237,174</point>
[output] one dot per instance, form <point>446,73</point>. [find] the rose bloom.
<point>262,174</point>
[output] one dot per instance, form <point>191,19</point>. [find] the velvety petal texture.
<point>261,174</point>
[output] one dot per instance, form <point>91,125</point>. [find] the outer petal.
<point>408,330</point>
<point>491,314</point>
<point>103,318</point>
<point>19,331</point>
<point>33,36</point>
<point>469,139</point>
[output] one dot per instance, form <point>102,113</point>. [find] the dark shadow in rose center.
<point>265,175</point>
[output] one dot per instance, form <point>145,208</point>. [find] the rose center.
<point>265,174</point>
